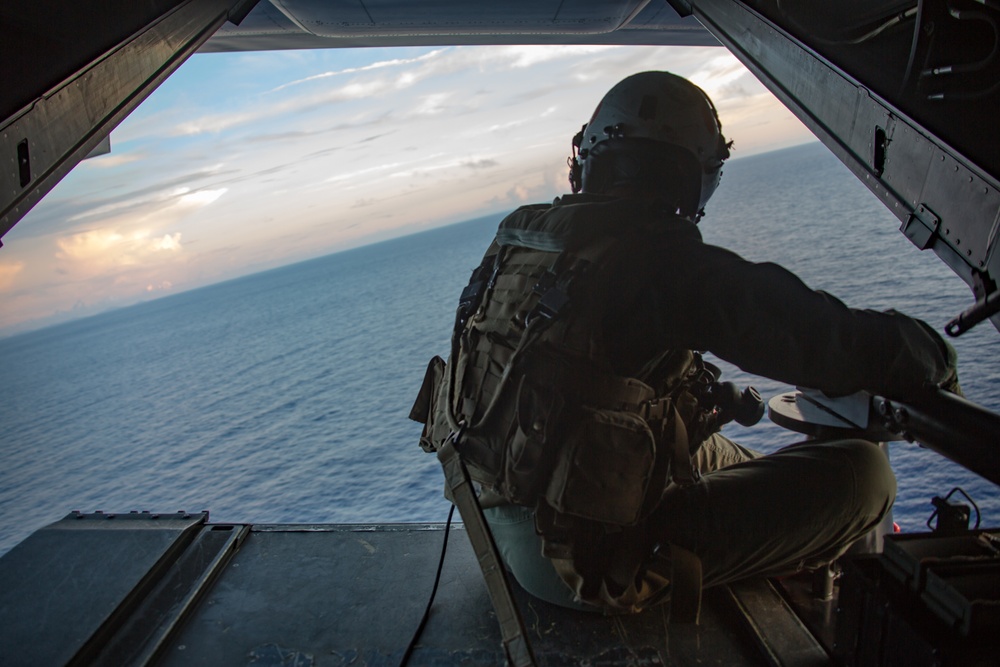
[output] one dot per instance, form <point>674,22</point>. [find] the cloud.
<point>521,193</point>
<point>432,104</point>
<point>218,122</point>
<point>103,248</point>
<point>162,285</point>
<point>113,160</point>
<point>301,152</point>
<point>362,172</point>
<point>137,239</point>
<point>201,197</point>
<point>156,194</point>
<point>485,163</point>
<point>375,81</point>
<point>170,242</point>
<point>382,64</point>
<point>522,57</point>
<point>75,212</point>
<point>718,76</point>
<point>416,172</point>
<point>8,272</point>
<point>155,201</point>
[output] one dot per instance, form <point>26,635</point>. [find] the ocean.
<point>283,396</point>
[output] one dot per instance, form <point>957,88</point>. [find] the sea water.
<point>283,396</point>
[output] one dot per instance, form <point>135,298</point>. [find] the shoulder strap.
<point>512,630</point>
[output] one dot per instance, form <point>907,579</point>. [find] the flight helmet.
<point>654,130</point>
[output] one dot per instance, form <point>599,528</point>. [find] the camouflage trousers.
<point>749,515</point>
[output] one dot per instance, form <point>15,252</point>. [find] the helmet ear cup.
<point>573,161</point>
<point>722,150</point>
<point>575,175</point>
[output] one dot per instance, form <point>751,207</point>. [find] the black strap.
<point>430,601</point>
<point>512,630</point>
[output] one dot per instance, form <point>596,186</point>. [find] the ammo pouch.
<point>591,445</point>
<point>605,469</point>
<point>600,464</point>
<point>425,406</point>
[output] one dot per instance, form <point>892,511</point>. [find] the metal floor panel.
<point>353,595</point>
<point>66,587</point>
<point>142,589</point>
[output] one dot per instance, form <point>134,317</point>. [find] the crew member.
<point>576,396</point>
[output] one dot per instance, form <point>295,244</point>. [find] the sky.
<point>244,162</point>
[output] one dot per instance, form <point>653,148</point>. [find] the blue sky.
<point>244,162</point>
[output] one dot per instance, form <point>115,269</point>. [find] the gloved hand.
<point>950,383</point>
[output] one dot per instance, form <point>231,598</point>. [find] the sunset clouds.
<point>242,162</point>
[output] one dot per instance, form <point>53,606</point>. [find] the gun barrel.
<point>952,426</point>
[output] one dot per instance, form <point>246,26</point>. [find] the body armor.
<point>531,399</point>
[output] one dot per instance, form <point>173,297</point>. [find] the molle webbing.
<point>513,304</point>
<point>534,239</point>
<point>495,331</point>
<point>581,384</point>
<point>530,266</point>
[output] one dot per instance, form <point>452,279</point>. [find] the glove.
<point>950,382</point>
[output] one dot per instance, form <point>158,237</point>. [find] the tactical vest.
<point>529,395</point>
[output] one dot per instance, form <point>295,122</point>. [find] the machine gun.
<point>950,425</point>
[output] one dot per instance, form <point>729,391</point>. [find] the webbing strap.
<point>512,630</point>
<point>682,472</point>
<point>685,585</point>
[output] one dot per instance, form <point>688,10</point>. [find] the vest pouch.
<point>605,467</point>
<point>531,444</point>
<point>425,404</point>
